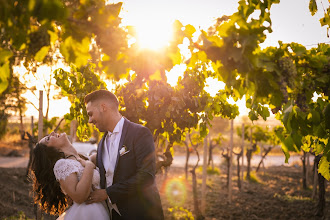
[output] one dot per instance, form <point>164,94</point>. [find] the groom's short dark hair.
<point>101,94</point>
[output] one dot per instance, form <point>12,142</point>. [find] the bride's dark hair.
<point>46,189</point>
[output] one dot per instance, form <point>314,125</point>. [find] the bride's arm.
<point>79,190</point>
<point>93,158</point>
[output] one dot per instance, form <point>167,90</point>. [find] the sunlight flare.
<point>152,34</point>
<point>176,191</point>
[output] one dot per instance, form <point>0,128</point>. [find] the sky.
<point>292,21</point>
<point>153,19</point>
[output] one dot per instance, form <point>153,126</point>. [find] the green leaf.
<point>53,36</point>
<point>324,165</point>
<point>288,142</point>
<point>76,52</point>
<point>189,30</point>
<point>5,73</point>
<point>253,115</point>
<point>297,139</point>
<point>316,117</point>
<point>177,25</point>
<point>40,55</point>
<point>327,148</point>
<point>287,120</point>
<point>31,5</point>
<point>312,7</point>
<point>286,153</point>
<point>156,76</point>
<point>326,112</point>
<point>4,55</point>
<point>264,112</point>
<point>176,57</point>
<point>326,19</point>
<point>318,147</point>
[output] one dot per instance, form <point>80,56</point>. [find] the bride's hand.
<point>86,163</point>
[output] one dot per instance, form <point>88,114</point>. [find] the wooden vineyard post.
<point>242,172</point>
<point>204,175</point>
<point>40,135</point>
<point>230,161</point>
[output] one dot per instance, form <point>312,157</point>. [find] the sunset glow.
<point>153,21</point>
<point>152,35</point>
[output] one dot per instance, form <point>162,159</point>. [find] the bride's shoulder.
<point>63,161</point>
<point>64,167</point>
<point>65,164</point>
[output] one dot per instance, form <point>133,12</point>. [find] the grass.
<point>180,213</point>
<point>253,178</point>
<point>19,216</point>
<point>209,170</point>
<point>291,198</point>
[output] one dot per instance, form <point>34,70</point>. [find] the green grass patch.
<point>19,216</point>
<point>292,198</point>
<point>253,178</point>
<point>209,170</point>
<point>180,213</point>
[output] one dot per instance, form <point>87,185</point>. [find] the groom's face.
<point>95,116</point>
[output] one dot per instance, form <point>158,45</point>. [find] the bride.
<point>57,172</point>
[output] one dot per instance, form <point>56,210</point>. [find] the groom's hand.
<point>98,195</point>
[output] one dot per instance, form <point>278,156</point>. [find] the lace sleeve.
<point>63,168</point>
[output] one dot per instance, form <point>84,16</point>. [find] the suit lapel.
<point>100,162</point>
<point>122,138</point>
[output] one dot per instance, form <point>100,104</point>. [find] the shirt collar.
<point>118,127</point>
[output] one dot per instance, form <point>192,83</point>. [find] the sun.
<point>153,34</point>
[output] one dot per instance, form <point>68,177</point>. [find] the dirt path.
<point>277,195</point>
<point>14,162</point>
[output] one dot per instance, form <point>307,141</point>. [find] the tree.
<point>217,141</point>
<point>194,142</point>
<point>75,85</point>
<point>11,102</point>
<point>255,134</point>
<point>325,21</point>
<point>272,140</point>
<point>34,31</point>
<point>283,78</point>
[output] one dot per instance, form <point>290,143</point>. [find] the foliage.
<point>11,102</point>
<point>4,69</point>
<point>283,78</point>
<point>325,21</point>
<point>259,134</point>
<point>34,31</point>
<point>180,213</point>
<point>172,110</point>
<point>76,84</point>
<point>48,125</point>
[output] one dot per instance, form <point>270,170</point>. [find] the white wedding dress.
<point>62,169</point>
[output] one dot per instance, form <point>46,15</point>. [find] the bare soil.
<point>277,194</point>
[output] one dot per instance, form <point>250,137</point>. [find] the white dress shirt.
<point>109,156</point>
<point>110,151</point>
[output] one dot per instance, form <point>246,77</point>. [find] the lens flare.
<point>176,191</point>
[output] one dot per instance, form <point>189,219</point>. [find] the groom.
<point>126,160</point>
